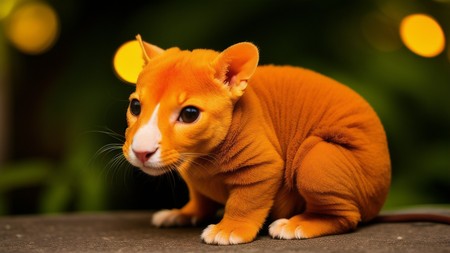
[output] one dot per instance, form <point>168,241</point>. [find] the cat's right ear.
<point>235,66</point>
<point>148,50</point>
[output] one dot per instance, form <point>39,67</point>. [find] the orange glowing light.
<point>422,35</point>
<point>448,54</point>
<point>33,27</point>
<point>128,61</point>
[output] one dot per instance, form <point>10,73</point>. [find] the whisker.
<point>192,159</point>
<point>206,157</point>
<point>105,150</point>
<point>172,182</point>
<point>114,164</point>
<point>108,132</point>
<point>109,147</point>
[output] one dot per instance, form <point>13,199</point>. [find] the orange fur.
<point>296,147</point>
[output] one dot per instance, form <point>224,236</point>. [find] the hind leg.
<point>329,179</point>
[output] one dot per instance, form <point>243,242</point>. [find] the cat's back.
<point>301,102</point>
<point>288,84</point>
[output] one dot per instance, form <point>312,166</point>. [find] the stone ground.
<point>131,232</point>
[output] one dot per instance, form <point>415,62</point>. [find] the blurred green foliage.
<point>62,101</point>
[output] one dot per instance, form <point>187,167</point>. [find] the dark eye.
<point>189,114</point>
<point>135,107</point>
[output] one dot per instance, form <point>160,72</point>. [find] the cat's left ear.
<point>235,66</point>
<point>148,50</point>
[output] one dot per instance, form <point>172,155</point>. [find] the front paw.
<point>285,229</point>
<point>173,218</point>
<point>227,233</point>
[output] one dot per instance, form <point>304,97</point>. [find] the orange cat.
<point>296,147</point>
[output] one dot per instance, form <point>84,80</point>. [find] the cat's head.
<point>183,104</point>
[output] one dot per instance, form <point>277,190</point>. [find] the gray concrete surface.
<point>131,232</point>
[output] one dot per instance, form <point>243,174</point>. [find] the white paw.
<point>280,229</point>
<point>213,235</point>
<point>172,218</point>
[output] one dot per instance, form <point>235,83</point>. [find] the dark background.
<point>60,103</point>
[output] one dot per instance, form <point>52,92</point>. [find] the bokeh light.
<point>422,35</point>
<point>448,53</point>
<point>6,7</point>
<point>128,61</point>
<point>33,27</point>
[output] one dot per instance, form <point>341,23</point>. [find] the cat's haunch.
<point>267,142</point>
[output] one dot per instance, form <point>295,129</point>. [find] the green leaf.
<point>57,196</point>
<point>23,174</point>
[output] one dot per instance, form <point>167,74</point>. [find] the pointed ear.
<point>148,50</point>
<point>235,66</point>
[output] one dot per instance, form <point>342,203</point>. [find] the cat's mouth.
<point>156,163</point>
<point>158,168</point>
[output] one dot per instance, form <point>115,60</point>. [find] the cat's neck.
<point>247,136</point>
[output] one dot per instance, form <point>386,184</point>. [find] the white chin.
<point>152,171</point>
<point>147,170</point>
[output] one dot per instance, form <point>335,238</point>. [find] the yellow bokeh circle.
<point>422,35</point>
<point>6,6</point>
<point>448,53</point>
<point>128,61</point>
<point>33,27</point>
